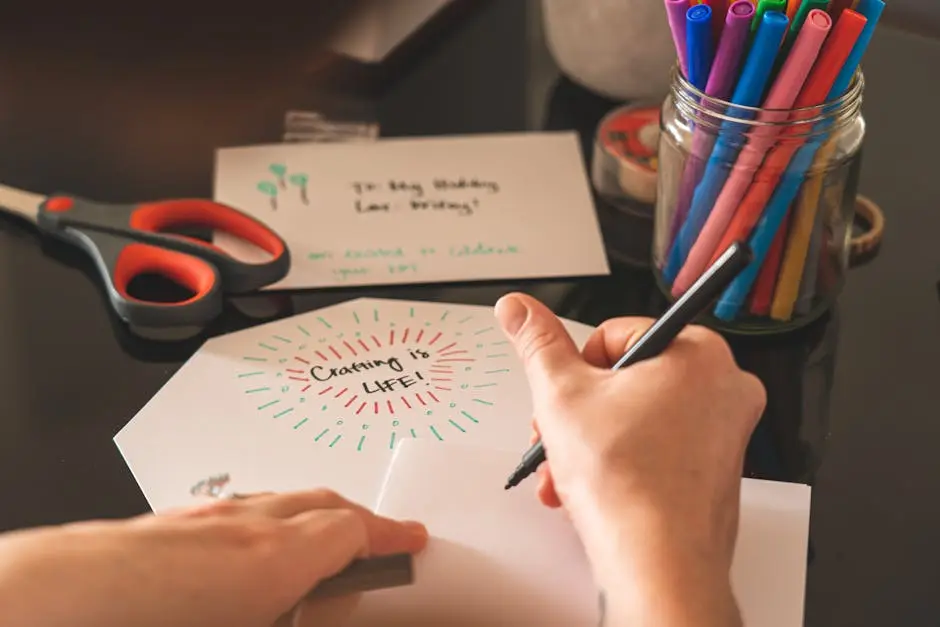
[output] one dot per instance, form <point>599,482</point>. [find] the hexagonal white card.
<point>320,400</point>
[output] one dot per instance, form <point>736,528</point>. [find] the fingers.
<point>327,541</point>
<point>294,503</point>
<point>385,535</point>
<point>612,339</point>
<point>546,488</point>
<point>332,538</point>
<point>539,338</point>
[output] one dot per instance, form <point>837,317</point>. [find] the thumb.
<point>540,339</point>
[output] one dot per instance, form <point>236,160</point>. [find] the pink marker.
<point>676,10</point>
<point>782,96</point>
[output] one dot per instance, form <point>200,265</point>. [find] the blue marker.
<point>871,9</point>
<point>766,229</point>
<point>748,93</point>
<point>698,34</point>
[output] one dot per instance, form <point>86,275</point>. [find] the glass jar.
<point>785,181</point>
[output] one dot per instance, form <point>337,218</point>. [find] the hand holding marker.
<point>760,217</point>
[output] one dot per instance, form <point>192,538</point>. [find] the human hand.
<point>648,460</point>
<point>229,563</point>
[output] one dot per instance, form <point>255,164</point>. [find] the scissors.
<point>128,240</point>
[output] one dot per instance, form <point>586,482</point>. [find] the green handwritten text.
<point>481,249</point>
<point>317,256</point>
<point>345,273</point>
<point>374,253</point>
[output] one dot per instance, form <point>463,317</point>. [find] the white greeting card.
<point>322,398</point>
<point>419,210</point>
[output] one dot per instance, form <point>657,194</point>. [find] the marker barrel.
<point>822,169</point>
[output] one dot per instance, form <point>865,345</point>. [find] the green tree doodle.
<point>300,180</point>
<point>279,170</point>
<point>269,189</point>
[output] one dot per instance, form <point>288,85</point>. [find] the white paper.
<point>247,403</point>
<point>502,559</point>
<point>769,570</point>
<point>419,210</point>
<point>495,557</point>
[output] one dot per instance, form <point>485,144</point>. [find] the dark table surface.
<point>853,398</point>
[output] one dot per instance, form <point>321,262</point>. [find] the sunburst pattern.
<point>368,377</point>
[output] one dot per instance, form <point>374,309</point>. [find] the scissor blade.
<point>25,204</point>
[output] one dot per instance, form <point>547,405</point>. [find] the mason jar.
<point>784,181</point>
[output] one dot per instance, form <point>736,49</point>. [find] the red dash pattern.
<point>351,349</point>
<point>335,352</point>
<point>322,392</point>
<point>351,401</point>
<point>451,345</point>
<point>405,401</point>
<point>431,394</point>
<point>436,337</point>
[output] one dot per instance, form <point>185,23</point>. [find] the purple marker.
<point>677,9</point>
<point>721,82</point>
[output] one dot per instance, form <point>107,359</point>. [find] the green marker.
<point>767,5</point>
<point>269,189</point>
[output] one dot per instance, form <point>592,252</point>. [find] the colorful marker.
<point>763,293</point>
<point>764,217</point>
<point>782,96</point>
<point>699,44</point>
<point>721,81</point>
<point>836,7</point>
<point>748,93</point>
<point>797,281</point>
<point>676,11</point>
<point>768,5</point>
<point>804,10</point>
<point>792,6</point>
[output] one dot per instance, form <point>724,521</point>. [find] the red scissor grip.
<point>160,216</point>
<point>185,270</point>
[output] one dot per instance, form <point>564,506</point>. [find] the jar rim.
<point>709,107</point>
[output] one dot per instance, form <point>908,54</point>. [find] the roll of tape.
<point>873,219</point>
<point>625,153</point>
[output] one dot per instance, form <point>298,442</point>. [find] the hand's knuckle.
<point>536,340</point>
<point>327,498</point>
<point>708,343</point>
<point>614,325</point>
<point>257,535</point>
<point>755,393</point>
